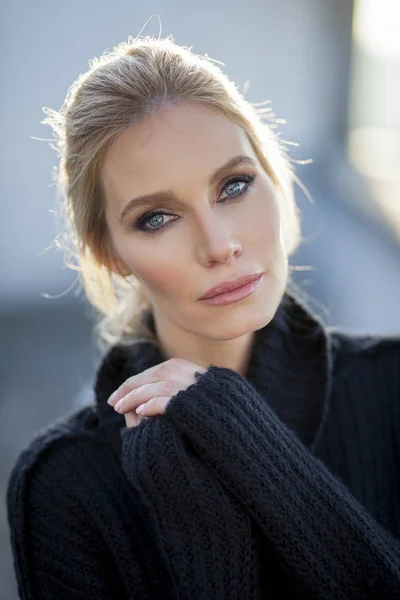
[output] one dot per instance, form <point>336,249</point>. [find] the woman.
<point>236,447</point>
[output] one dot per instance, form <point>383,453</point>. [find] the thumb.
<point>132,419</point>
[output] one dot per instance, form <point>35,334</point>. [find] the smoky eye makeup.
<point>154,218</point>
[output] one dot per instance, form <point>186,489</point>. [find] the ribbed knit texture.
<point>283,483</point>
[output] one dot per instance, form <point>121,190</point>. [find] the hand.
<point>148,393</point>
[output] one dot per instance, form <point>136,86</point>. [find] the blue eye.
<point>155,218</point>
<point>234,182</point>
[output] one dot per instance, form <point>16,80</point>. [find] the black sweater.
<point>283,483</point>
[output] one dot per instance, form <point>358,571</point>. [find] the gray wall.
<point>293,52</point>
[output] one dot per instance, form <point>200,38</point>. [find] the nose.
<point>216,241</point>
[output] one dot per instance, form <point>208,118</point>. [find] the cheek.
<point>263,222</point>
<point>162,276</point>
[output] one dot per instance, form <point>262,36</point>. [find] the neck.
<point>175,342</point>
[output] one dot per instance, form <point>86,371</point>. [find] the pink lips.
<point>232,291</point>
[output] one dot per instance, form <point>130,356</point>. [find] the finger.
<point>133,420</point>
<point>141,395</point>
<point>132,383</point>
<point>155,406</point>
<point>137,396</point>
<point>151,375</point>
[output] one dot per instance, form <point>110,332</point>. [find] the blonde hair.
<point>122,87</point>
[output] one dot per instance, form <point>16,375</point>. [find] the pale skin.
<point>211,232</point>
<point>148,393</point>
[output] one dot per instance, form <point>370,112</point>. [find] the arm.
<point>203,535</point>
<point>326,542</point>
<point>57,553</point>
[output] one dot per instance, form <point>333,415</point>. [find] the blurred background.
<point>331,69</point>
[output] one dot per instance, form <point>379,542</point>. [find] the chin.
<point>230,321</point>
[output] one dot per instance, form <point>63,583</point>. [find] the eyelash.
<point>141,221</point>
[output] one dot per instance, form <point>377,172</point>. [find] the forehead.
<point>170,145</point>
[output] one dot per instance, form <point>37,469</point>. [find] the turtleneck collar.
<point>290,366</point>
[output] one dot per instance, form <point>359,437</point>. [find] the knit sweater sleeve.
<point>324,540</point>
<point>203,535</point>
<point>56,552</point>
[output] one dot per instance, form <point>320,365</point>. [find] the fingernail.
<point>119,404</point>
<point>140,408</point>
<point>111,399</point>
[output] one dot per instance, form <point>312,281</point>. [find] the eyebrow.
<point>169,196</point>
